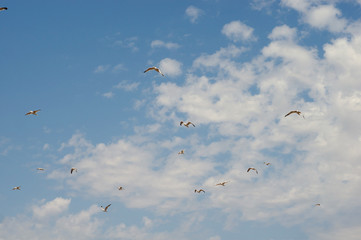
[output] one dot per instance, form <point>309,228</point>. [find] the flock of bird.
<point>182,123</point>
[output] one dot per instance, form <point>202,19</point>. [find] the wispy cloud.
<point>171,67</point>
<point>168,45</point>
<point>193,13</point>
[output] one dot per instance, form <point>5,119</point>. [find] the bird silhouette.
<point>198,191</point>
<point>32,112</point>
<point>251,168</point>
<point>105,209</point>
<point>186,124</point>
<point>222,183</point>
<point>155,69</point>
<point>73,169</point>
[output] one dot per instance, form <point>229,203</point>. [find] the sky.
<point>233,68</point>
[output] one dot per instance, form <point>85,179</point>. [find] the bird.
<point>186,124</point>
<point>267,163</point>
<point>120,188</point>
<point>32,112</point>
<point>221,184</point>
<point>198,191</point>
<point>16,188</point>
<point>3,8</point>
<point>155,69</point>
<point>181,152</point>
<point>40,169</point>
<point>251,168</point>
<point>318,204</point>
<point>105,209</point>
<point>73,169</point>
<point>295,111</point>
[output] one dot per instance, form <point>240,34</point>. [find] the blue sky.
<point>233,68</point>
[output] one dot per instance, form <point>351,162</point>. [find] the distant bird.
<point>105,209</point>
<point>40,169</point>
<point>32,112</point>
<point>73,169</point>
<point>3,8</point>
<point>267,163</point>
<point>186,124</point>
<point>181,152</point>
<point>296,111</point>
<point>155,69</point>
<point>198,191</point>
<point>251,168</point>
<point>16,188</point>
<point>222,183</point>
<point>317,204</point>
<point>120,188</point>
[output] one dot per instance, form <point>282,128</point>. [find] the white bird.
<point>120,188</point>
<point>251,168</point>
<point>16,188</point>
<point>73,169</point>
<point>105,209</point>
<point>155,69</point>
<point>181,152</point>
<point>32,112</point>
<point>198,191</point>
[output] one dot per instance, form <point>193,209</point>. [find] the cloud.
<point>238,31</point>
<point>108,94</point>
<point>101,68</point>
<point>193,13</point>
<point>168,45</point>
<point>127,86</point>
<point>130,43</point>
<point>54,207</point>
<point>283,32</point>
<point>170,67</point>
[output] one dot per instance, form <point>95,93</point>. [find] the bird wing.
<point>151,68</point>
<point>249,169</point>
<point>3,8</point>
<point>106,208</point>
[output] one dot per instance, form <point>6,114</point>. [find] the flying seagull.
<point>155,69</point>
<point>198,191</point>
<point>251,168</point>
<point>3,8</point>
<point>120,188</point>
<point>40,169</point>
<point>317,204</point>
<point>105,209</point>
<point>73,169</point>
<point>32,112</point>
<point>267,163</point>
<point>186,124</point>
<point>222,183</point>
<point>181,152</point>
<point>16,188</point>
<point>296,111</point>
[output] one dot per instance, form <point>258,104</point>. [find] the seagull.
<point>155,69</point>
<point>296,111</point>
<point>3,8</point>
<point>16,188</point>
<point>317,204</point>
<point>251,168</point>
<point>222,183</point>
<point>120,188</point>
<point>73,169</point>
<point>181,152</point>
<point>32,112</point>
<point>198,191</point>
<point>40,169</point>
<point>186,124</point>
<point>267,163</point>
<point>105,209</point>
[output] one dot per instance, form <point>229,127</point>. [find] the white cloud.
<point>127,86</point>
<point>108,94</point>
<point>168,45</point>
<point>118,67</point>
<point>238,31</point>
<point>325,17</point>
<point>54,207</point>
<point>193,13</point>
<point>101,68</point>
<point>283,32</point>
<point>170,67</point>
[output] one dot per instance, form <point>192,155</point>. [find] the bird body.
<point>198,191</point>
<point>73,169</point>
<point>120,188</point>
<point>295,111</point>
<point>318,204</point>
<point>155,69</point>
<point>221,184</point>
<point>16,188</point>
<point>181,152</point>
<point>3,8</point>
<point>252,169</point>
<point>186,124</point>
<point>34,112</point>
<point>40,169</point>
<point>105,209</point>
